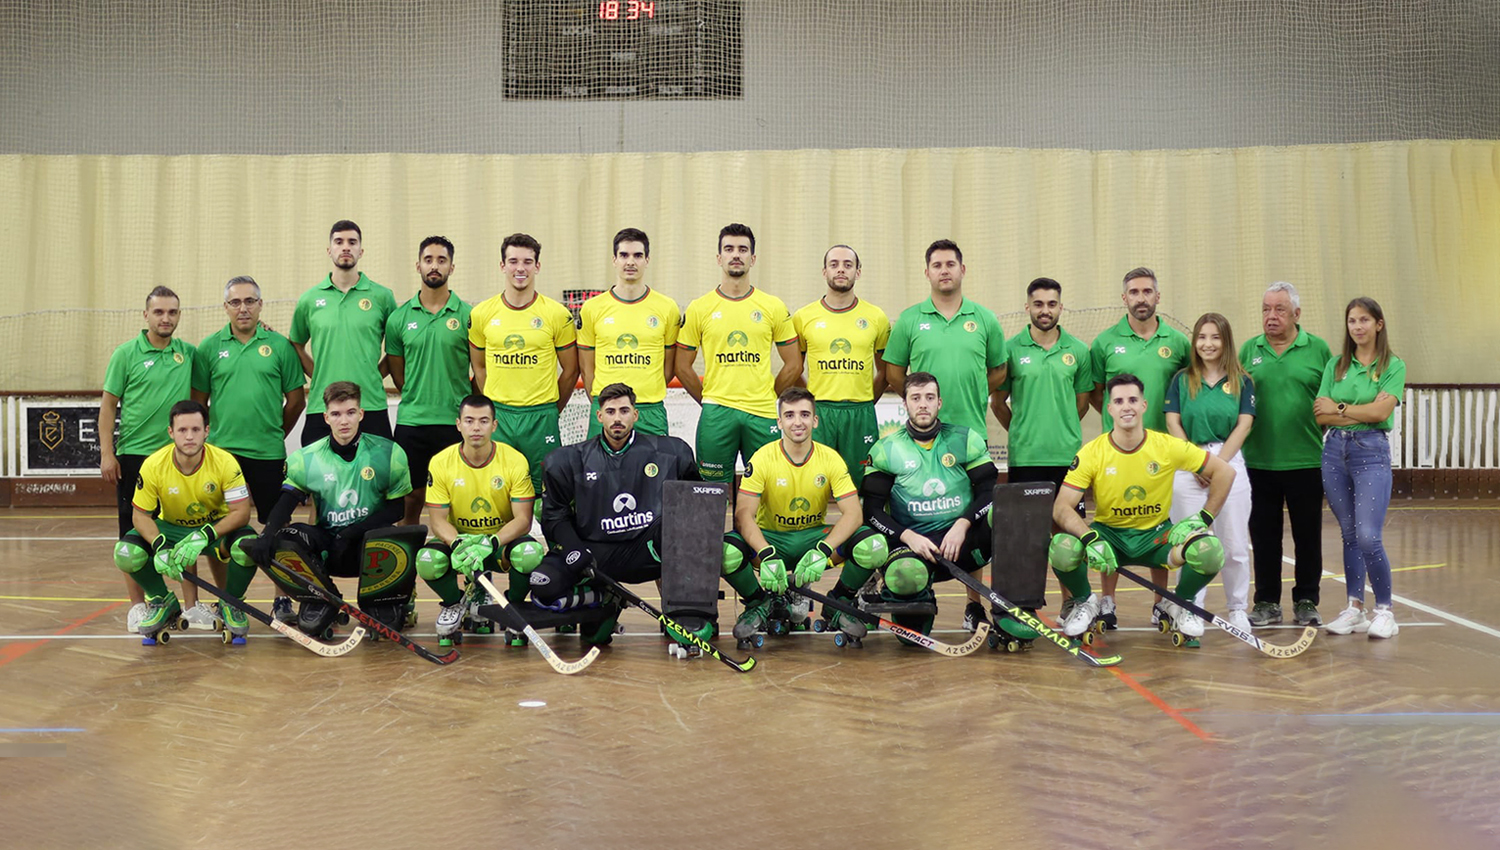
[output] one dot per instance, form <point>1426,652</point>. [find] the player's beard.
<point>1044,323</point>
<point>438,283</point>
<point>737,271</point>
<point>1138,310</point>
<point>345,263</point>
<point>838,285</point>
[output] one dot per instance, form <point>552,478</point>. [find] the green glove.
<point>772,570</point>
<point>470,552</point>
<point>1100,555</point>
<point>813,563</point>
<point>185,553</point>
<point>1189,527</point>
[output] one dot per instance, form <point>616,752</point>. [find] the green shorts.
<point>532,431</point>
<point>849,428</point>
<point>653,418</point>
<point>1142,547</point>
<point>724,432</point>
<point>792,545</point>
<point>176,533</point>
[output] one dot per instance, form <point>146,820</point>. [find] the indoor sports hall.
<point>1351,149</point>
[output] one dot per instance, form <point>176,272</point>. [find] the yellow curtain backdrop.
<point>1414,224</point>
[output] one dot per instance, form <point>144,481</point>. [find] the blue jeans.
<point>1357,482</point>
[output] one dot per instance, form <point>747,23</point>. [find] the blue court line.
<point>41,730</point>
<point>1445,717</point>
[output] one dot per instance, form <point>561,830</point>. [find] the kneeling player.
<point>602,510</point>
<point>1131,470</point>
<point>927,490</point>
<point>778,524</point>
<point>479,509</point>
<point>356,482</point>
<point>204,509</point>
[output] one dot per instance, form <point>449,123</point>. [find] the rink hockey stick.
<point>369,622</point>
<point>707,648</point>
<point>567,668</point>
<point>1271,649</point>
<point>916,637</point>
<point>1067,644</point>
<point>327,650</point>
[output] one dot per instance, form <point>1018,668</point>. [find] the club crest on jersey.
<point>265,350</point>
<point>177,356</point>
<point>368,473</point>
<point>1227,389</point>
<point>1165,352</point>
<point>452,324</point>
<point>862,323</point>
<point>1152,468</point>
<point>536,323</point>
<point>366,304</point>
<point>971,326</point>
<point>209,487</point>
<point>497,483</point>
<point>756,316</point>
<point>652,470</point>
<point>652,321</point>
<point>1069,359</point>
<point>820,481</point>
<point>949,459</point>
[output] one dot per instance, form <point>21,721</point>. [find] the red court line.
<point>14,651</point>
<point>1160,703</point>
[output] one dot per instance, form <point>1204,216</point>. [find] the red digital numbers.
<point>628,10</point>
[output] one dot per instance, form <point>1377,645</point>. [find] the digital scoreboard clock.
<point>622,50</point>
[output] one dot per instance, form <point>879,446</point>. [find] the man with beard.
<point>337,328</point>
<point>427,348</point>
<point>842,339</point>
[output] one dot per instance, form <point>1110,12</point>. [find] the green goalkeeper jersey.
<point>932,487</point>
<point>345,492</point>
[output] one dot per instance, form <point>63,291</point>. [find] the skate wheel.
<point>163,636</point>
<point>840,639</point>
<point>1012,646</point>
<point>328,633</point>
<point>1163,626</point>
<point>343,618</point>
<point>227,636</point>
<point>820,626</point>
<point>1088,638</point>
<point>993,640</point>
<point>1097,627</point>
<point>1177,639</point>
<point>759,641</point>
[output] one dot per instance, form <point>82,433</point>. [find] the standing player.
<point>1284,456</point>
<point>842,339</point>
<point>523,347</point>
<point>190,499</point>
<point>144,378</point>
<point>1131,470</point>
<point>479,511</point>
<point>779,518</point>
<point>736,325</point>
<point>250,377</point>
<point>1141,344</point>
<point>426,344</point>
<point>337,329</point>
<point>628,335</point>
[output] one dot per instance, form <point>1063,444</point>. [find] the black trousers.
<point>1301,490</point>
<point>130,470</point>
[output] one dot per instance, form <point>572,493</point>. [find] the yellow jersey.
<point>478,498</point>
<point>631,341</point>
<point>841,346</point>
<point>736,336</point>
<point>520,348</point>
<point>794,497</point>
<point>1133,489</point>
<point>190,499</point>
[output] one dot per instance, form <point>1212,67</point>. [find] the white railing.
<point>1447,426</point>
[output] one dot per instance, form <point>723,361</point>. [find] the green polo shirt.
<point>1044,385</point>
<point>345,329</point>
<point>1359,387</point>
<point>959,351</point>
<point>1286,434</point>
<point>1154,360</point>
<point>148,381</point>
<point>1213,413</point>
<point>246,385</point>
<point>436,349</point>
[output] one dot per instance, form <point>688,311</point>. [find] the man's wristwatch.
<point>1341,408</point>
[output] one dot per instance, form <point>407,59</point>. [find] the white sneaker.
<point>202,617</point>
<point>1240,620</point>
<point>1083,616</point>
<point>450,618</point>
<point>1383,625</point>
<point>1351,619</point>
<point>133,618</point>
<point>1185,621</point>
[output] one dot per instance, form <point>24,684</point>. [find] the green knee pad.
<point>130,556</point>
<point>1204,554</point>
<point>736,553</point>
<point>1065,553</point>
<point>237,552</point>
<point>907,575</point>
<point>524,554</point>
<point>869,549</point>
<point>431,563</point>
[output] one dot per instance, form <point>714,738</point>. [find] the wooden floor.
<point>1357,743</point>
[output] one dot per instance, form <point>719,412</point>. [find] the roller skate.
<point>750,629</point>
<point>162,613</point>
<point>1085,622</point>
<point>1011,634</point>
<point>1183,626</point>
<point>847,630</point>
<point>315,618</point>
<point>701,627</point>
<point>473,621</point>
<point>236,624</point>
<point>785,615</point>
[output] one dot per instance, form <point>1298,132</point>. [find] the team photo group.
<point>1205,445</point>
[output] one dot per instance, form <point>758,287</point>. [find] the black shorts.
<point>1040,475</point>
<point>377,422</point>
<point>421,442</point>
<point>978,547</point>
<point>263,478</point>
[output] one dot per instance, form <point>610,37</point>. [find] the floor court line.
<point>19,650</point>
<point>1424,608</point>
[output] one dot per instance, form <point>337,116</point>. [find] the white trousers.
<point>1232,525</point>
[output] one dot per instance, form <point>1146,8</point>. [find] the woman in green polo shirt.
<point>1211,404</point>
<point>1357,403</point>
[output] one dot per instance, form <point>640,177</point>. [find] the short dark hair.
<point>631,234</point>
<point>341,391</point>
<point>345,224</point>
<point>161,292</point>
<point>1139,271</point>
<point>1043,283</point>
<point>830,251</point>
<point>521,240</point>
<point>477,400</point>
<point>736,229</point>
<point>921,379</point>
<point>435,240</point>
<point>1121,380</point>
<point>614,391</point>
<point>792,395</point>
<point>943,245</point>
<point>185,407</point>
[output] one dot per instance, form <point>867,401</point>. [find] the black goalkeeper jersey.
<point>594,495</point>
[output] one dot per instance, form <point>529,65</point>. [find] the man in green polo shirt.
<point>144,378</point>
<point>1284,456</point>
<point>337,328</point>
<point>1145,346</point>
<point>956,340</point>
<point>427,347</point>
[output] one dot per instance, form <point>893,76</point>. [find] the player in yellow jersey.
<point>479,509</point>
<point>628,335</point>
<point>736,326</point>
<point>523,349</point>
<point>842,339</point>
<point>201,506</point>
<point>779,517</point>
<point>1131,469</point>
